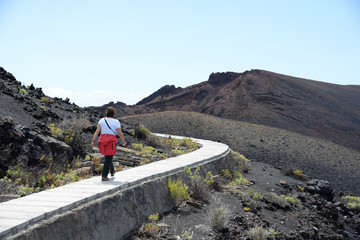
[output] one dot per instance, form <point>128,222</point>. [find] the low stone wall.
<point>116,215</point>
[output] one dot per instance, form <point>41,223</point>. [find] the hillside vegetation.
<point>284,149</point>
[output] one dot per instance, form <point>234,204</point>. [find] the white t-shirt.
<point>113,123</point>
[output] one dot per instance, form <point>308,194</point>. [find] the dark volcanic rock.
<point>320,187</point>
<point>26,113</point>
<point>20,144</point>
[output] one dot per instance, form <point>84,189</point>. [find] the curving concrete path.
<point>23,213</point>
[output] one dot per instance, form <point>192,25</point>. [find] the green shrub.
<point>247,209</point>
<point>23,91</point>
<point>219,214</point>
<point>225,173</point>
<point>260,233</point>
<point>18,174</point>
<point>241,161</point>
<point>291,199</point>
<point>189,143</point>
<point>147,152</point>
<point>46,100</point>
<point>141,132</point>
<point>257,196</point>
<point>150,228</point>
<point>239,178</point>
<point>209,179</point>
<point>26,190</point>
<point>176,152</point>
<point>199,187</point>
<point>276,200</point>
<point>186,235</point>
<point>250,191</point>
<point>70,132</point>
<point>55,132</point>
<point>178,192</point>
<point>353,202</point>
<point>298,173</point>
<point>154,217</point>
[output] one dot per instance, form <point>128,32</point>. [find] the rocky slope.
<point>25,116</point>
<point>258,210</point>
<point>311,108</point>
<point>280,148</point>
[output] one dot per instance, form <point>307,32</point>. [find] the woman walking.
<point>109,129</point>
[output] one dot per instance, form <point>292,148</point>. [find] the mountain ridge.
<point>312,108</point>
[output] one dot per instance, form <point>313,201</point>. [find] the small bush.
<point>219,214</point>
<point>298,173</point>
<point>154,217</point>
<point>188,143</point>
<point>295,173</point>
<point>176,152</point>
<point>26,190</point>
<point>353,202</point>
<point>251,200</point>
<point>291,199</point>
<point>276,200</point>
<point>46,100</point>
<point>241,161</point>
<point>209,179</point>
<point>186,235</point>
<point>150,228</point>
<point>225,173</point>
<point>71,132</point>
<point>19,175</point>
<point>141,132</point>
<point>199,187</point>
<point>23,91</point>
<point>257,196</point>
<point>260,233</point>
<point>239,178</point>
<point>178,192</point>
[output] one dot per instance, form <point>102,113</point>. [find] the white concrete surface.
<point>18,214</point>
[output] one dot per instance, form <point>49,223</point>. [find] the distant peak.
<point>161,92</point>
<point>222,77</point>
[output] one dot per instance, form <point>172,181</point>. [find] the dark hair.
<point>110,112</point>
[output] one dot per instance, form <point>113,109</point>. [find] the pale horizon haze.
<point>94,52</point>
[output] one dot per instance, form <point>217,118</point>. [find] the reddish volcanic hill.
<point>311,108</point>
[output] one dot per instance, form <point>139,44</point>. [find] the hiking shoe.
<point>104,179</point>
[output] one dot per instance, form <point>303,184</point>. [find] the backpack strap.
<point>110,128</point>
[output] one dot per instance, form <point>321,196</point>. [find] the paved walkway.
<point>18,214</point>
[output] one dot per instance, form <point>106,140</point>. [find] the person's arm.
<point>121,135</point>
<point>98,130</point>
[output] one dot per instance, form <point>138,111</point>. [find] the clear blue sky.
<point>95,52</point>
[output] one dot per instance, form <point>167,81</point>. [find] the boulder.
<point>321,187</point>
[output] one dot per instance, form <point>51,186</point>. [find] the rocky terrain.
<point>320,212</point>
<point>311,108</point>
<point>258,210</point>
<point>277,147</point>
<point>25,114</point>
